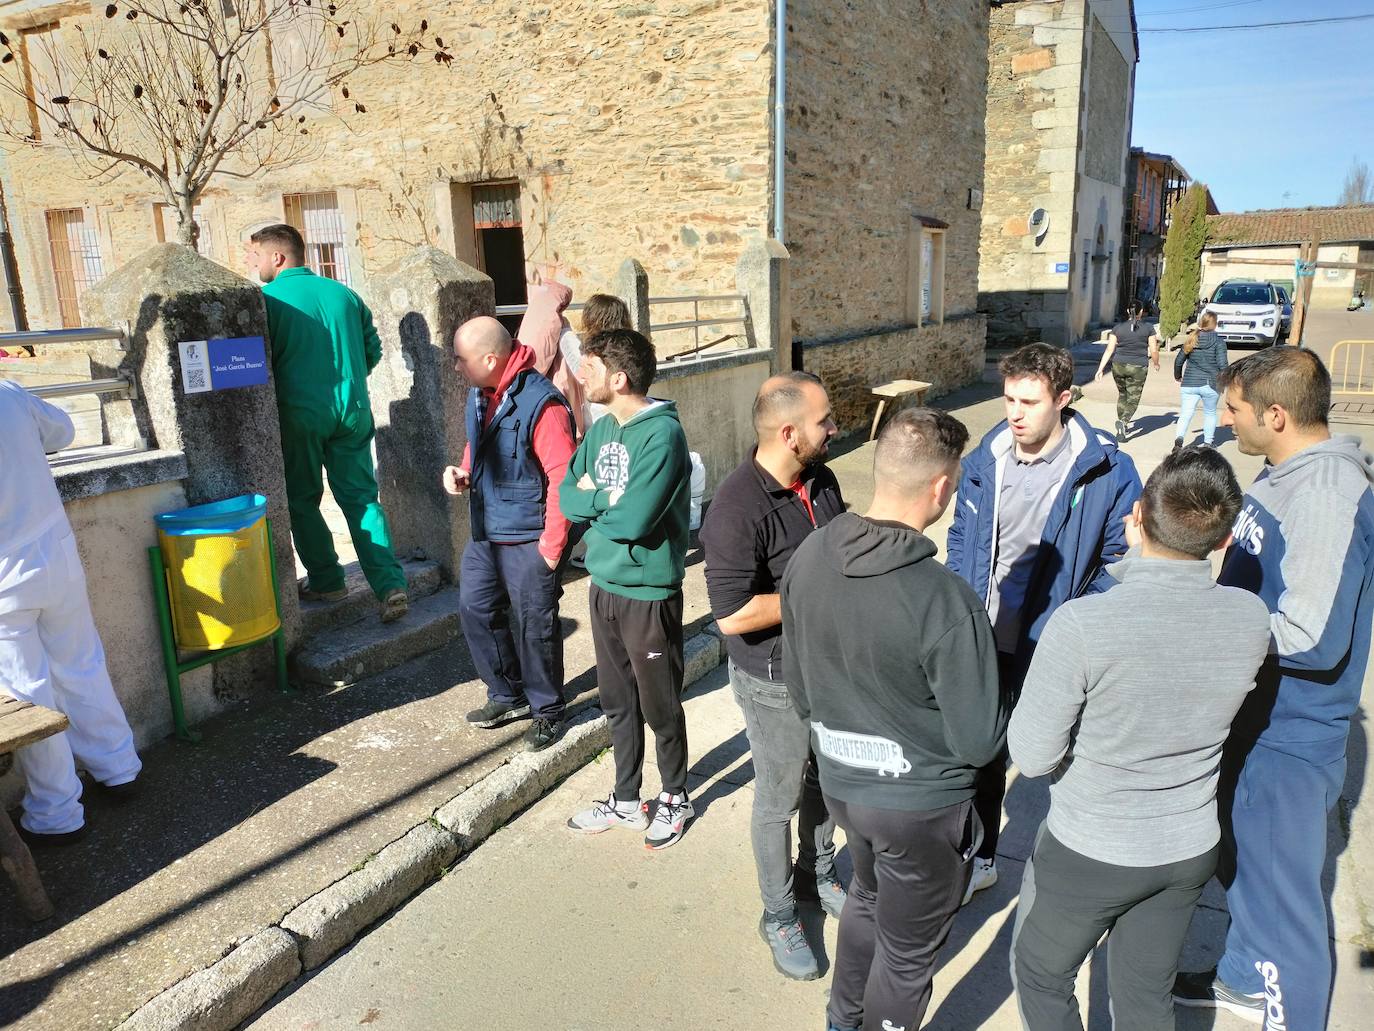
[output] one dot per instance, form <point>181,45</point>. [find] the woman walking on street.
<point>1196,367</point>
<point>1131,347</point>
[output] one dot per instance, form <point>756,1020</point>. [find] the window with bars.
<point>319,220</point>
<point>76,262</point>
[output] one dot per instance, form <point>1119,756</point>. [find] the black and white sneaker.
<point>542,733</point>
<point>1204,990</point>
<point>496,714</point>
<point>609,813</point>
<point>672,813</point>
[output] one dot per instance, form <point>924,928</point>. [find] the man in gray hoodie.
<point>1304,543</point>
<point>905,707</point>
<point>1132,831</point>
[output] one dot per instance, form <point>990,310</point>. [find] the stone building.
<point>1345,235</point>
<point>569,136</point>
<point>1061,80</point>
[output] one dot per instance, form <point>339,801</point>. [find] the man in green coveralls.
<point>323,347</point>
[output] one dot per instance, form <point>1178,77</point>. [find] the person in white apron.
<point>50,651</point>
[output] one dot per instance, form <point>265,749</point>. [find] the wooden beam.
<point>1302,291</point>
<point>1360,266</point>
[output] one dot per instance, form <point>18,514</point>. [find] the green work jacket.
<point>323,347</point>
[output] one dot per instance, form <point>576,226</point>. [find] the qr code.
<point>195,379</point>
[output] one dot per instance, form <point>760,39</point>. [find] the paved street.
<point>539,926</point>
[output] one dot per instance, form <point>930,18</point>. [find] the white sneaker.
<point>671,817</point>
<point>610,813</point>
<point>984,876</point>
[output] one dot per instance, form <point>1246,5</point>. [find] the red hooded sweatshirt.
<point>553,446</point>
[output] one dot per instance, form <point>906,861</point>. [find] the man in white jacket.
<point>50,651</point>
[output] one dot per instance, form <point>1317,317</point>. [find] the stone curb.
<point>228,992</point>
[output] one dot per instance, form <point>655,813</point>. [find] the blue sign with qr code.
<point>223,364</point>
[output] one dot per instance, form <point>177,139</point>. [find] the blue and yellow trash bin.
<point>219,573</point>
<point>215,583</point>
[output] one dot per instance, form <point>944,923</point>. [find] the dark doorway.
<point>500,243</point>
<point>503,258</point>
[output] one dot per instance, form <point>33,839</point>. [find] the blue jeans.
<point>1187,405</point>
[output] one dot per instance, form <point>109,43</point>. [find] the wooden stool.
<point>896,391</point>
<point>23,723</point>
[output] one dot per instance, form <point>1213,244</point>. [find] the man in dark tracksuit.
<point>1304,542</point>
<point>760,514</point>
<point>630,483</point>
<point>891,659</point>
<point>520,436</point>
<point>1038,519</point>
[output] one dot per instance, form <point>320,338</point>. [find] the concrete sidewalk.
<point>283,798</point>
<point>542,926</point>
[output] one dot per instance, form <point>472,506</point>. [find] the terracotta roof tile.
<point>1291,225</point>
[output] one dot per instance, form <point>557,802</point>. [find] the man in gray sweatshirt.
<point>1128,712</point>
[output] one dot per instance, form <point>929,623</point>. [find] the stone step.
<point>347,654</point>
<point>318,617</point>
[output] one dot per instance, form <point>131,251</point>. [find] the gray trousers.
<point>1068,902</point>
<point>785,785</point>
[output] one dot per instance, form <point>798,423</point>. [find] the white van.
<point>1248,312</point>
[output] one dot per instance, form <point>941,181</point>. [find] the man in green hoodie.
<point>324,345</point>
<point>629,482</point>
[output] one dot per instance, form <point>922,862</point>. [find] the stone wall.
<point>947,356</point>
<point>1109,81</point>
<point>885,116</point>
<point>632,128</point>
<point>1034,72</point>
<point>715,402</point>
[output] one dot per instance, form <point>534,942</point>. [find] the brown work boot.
<point>307,593</point>
<point>395,605</point>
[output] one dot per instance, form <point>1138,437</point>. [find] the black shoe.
<point>1178,444</point>
<point>542,733</point>
<point>116,794</point>
<point>495,714</point>
<point>52,840</point>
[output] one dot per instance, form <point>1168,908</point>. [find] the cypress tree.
<point>1178,288</point>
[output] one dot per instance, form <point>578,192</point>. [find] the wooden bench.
<point>897,390</point>
<point>23,723</point>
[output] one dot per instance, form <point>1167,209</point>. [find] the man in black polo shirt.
<point>760,515</point>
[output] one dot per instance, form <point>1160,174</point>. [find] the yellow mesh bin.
<point>219,573</point>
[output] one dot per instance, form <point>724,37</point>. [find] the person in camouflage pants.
<point>1131,348</point>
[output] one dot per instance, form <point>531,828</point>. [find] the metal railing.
<point>697,323</point>
<point>1341,358</point>
<point>82,337</point>
<point>73,341</point>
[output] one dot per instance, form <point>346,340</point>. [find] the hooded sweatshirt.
<point>904,703</point>
<point>637,516</point>
<point>1304,542</point>
<point>542,331</point>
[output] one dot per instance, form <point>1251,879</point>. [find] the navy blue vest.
<point>506,502</point>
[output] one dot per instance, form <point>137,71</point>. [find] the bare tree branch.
<point>187,90</point>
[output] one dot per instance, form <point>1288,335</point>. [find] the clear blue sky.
<point>1267,118</point>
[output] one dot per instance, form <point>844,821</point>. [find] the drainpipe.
<point>10,267</point>
<point>779,117</point>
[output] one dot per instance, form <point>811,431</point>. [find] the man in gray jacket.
<point>1128,712</point>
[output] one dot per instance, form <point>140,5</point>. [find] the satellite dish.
<point>1038,224</point>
